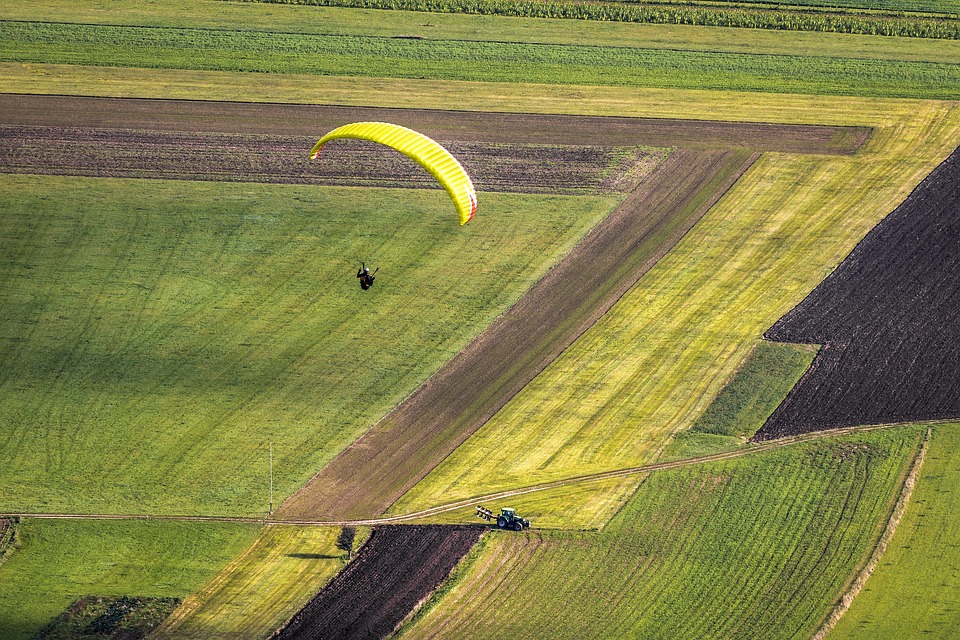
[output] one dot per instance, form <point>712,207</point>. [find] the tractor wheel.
<point>517,526</point>
<point>502,522</point>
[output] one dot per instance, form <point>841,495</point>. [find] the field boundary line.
<point>466,502</point>
<point>906,491</point>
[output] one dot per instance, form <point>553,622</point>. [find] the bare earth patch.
<point>311,121</point>
<point>889,320</point>
<point>396,569</point>
<point>238,157</point>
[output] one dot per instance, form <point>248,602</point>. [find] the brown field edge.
<point>312,121</point>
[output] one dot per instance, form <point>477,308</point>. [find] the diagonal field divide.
<point>395,454</point>
<point>401,449</point>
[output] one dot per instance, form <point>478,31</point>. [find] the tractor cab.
<point>508,518</point>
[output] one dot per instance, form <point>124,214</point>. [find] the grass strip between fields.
<point>295,53</point>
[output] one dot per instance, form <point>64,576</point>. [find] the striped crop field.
<point>916,585</point>
<point>757,547</point>
<point>262,589</point>
<point>368,56</point>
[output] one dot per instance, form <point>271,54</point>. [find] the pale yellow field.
<point>263,588</point>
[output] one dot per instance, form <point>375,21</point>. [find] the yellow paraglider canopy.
<point>428,153</point>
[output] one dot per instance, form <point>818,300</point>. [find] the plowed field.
<point>312,121</point>
<point>237,157</point>
<point>889,318</point>
<point>396,569</point>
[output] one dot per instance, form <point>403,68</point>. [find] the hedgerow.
<point>945,27</point>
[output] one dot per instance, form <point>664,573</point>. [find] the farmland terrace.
<point>707,159</point>
<point>889,318</point>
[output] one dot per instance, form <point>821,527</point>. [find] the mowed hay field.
<point>160,335</point>
<point>247,330</point>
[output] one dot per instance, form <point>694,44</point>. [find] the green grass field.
<point>255,51</point>
<point>915,589</point>
<point>756,547</point>
<point>758,387</point>
<point>57,561</point>
<point>159,335</point>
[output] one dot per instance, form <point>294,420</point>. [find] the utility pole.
<point>271,478</point>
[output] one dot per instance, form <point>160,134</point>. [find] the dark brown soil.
<point>236,157</point>
<point>311,121</point>
<point>8,528</point>
<point>396,569</point>
<point>889,318</point>
<point>399,451</point>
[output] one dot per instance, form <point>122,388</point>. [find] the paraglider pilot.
<point>366,278</point>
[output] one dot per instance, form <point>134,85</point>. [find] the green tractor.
<point>508,518</point>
